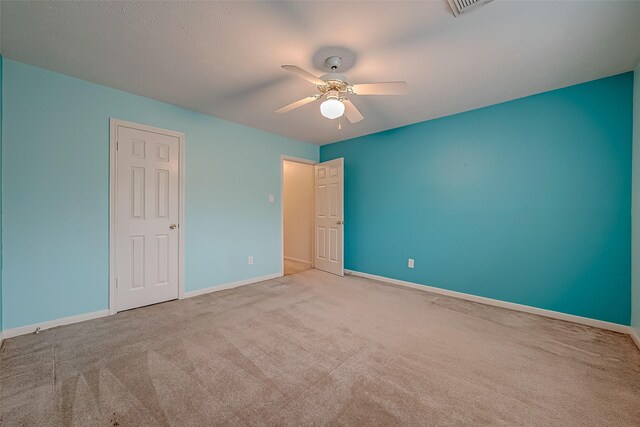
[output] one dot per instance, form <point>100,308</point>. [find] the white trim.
<point>113,140</point>
<point>503,304</point>
<point>284,157</point>
<point>634,336</point>
<point>22,330</point>
<point>230,285</point>
<point>300,261</point>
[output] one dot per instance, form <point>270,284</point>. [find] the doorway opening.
<point>297,215</point>
<point>312,215</point>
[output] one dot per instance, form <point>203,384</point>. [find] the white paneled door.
<point>147,217</point>
<point>329,219</point>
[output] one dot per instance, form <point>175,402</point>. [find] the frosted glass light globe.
<point>332,108</point>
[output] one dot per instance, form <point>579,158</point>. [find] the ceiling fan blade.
<point>297,104</point>
<point>351,112</point>
<point>304,74</point>
<point>389,88</point>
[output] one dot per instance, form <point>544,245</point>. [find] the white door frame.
<point>284,157</point>
<point>113,189</point>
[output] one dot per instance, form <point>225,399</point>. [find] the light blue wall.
<point>56,199</point>
<point>635,269</point>
<point>527,201</point>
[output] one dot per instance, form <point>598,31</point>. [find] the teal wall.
<point>527,201</point>
<point>635,228</point>
<point>56,193</point>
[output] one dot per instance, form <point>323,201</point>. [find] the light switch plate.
<point>271,198</point>
<point>411,263</point>
<point>250,260</point>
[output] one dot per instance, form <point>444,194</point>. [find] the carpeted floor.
<point>313,348</point>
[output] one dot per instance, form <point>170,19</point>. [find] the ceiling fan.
<point>337,91</point>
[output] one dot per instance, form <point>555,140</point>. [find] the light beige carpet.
<point>313,349</point>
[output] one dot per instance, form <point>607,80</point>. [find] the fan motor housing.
<point>333,84</point>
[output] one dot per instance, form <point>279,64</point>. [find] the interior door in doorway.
<point>147,210</point>
<point>329,216</point>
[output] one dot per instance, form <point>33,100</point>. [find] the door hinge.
<point>117,145</point>
<point>116,282</point>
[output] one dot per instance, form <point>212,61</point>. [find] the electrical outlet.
<point>410,265</point>
<point>250,260</point>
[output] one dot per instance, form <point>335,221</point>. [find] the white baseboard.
<point>503,304</point>
<point>634,336</point>
<point>22,330</point>
<point>301,261</point>
<point>231,285</point>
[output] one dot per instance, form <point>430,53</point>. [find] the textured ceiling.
<point>223,58</point>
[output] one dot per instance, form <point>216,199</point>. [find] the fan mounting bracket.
<point>333,62</point>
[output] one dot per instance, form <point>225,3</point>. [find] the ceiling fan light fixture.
<point>337,90</point>
<point>332,108</point>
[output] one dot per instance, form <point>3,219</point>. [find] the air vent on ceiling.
<point>458,7</point>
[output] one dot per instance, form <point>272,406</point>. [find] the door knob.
<point>339,222</point>
<point>172,226</point>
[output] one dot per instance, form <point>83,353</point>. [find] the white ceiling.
<point>223,58</point>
